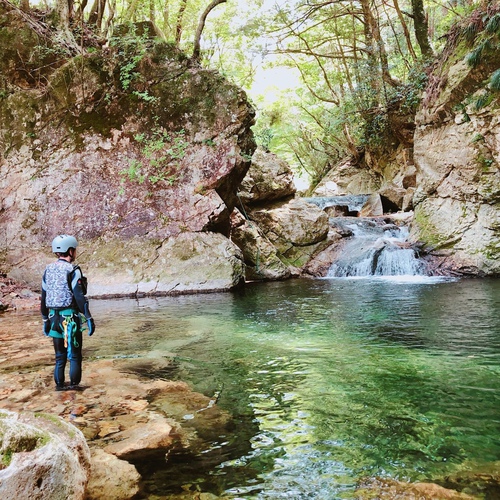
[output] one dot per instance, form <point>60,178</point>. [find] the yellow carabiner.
<point>65,326</point>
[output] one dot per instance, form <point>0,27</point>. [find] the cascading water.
<point>374,249</point>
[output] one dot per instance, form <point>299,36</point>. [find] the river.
<point>327,380</point>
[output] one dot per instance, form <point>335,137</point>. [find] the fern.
<point>493,25</point>
<point>495,80</point>
<point>474,58</point>
<point>482,101</point>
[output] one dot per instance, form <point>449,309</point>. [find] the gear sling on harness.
<point>65,322</point>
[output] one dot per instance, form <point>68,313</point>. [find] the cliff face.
<point>445,165</point>
<point>457,152</point>
<point>125,147</point>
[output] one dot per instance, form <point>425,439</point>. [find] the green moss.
<point>428,232</point>
<point>484,162</point>
<point>495,81</point>
<point>492,250</point>
<point>48,416</point>
<point>19,110</point>
<point>6,457</point>
<point>28,222</point>
<point>25,443</point>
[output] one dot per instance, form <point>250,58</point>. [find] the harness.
<point>65,322</point>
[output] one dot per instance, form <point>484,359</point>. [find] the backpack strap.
<point>83,279</point>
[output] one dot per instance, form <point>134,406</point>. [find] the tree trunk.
<point>406,31</point>
<point>79,12</point>
<point>421,28</point>
<point>131,11</point>
<point>374,40</point>
<point>199,30</point>
<point>64,12</point>
<point>178,24</point>
<point>152,11</point>
<point>110,19</point>
<point>100,14</point>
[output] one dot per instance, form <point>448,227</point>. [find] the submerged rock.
<point>137,441</point>
<point>111,478</point>
<point>388,489</point>
<point>125,407</point>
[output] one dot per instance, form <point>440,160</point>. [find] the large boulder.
<point>261,256</point>
<point>42,456</point>
<point>297,229</point>
<point>188,262</point>
<point>143,439</point>
<point>269,178</point>
<point>111,478</point>
<point>104,152</point>
<point>276,233</point>
<point>348,177</point>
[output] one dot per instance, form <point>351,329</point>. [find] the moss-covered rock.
<point>41,456</point>
<point>125,143</point>
<point>457,153</point>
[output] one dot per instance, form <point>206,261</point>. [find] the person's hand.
<point>46,326</point>
<point>91,326</point>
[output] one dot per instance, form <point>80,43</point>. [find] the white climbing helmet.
<point>63,242</point>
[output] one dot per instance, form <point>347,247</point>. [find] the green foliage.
<point>470,32</point>
<point>375,130</point>
<point>486,38</point>
<point>343,100</point>
<point>131,49</point>
<point>7,456</point>
<point>493,26</point>
<point>473,59</point>
<point>134,171</point>
<point>408,96</point>
<point>161,151</point>
<point>483,100</point>
<point>462,108</point>
<point>495,81</point>
<point>485,163</point>
<point>264,137</point>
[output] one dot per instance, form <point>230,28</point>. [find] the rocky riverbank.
<point>128,416</point>
<point>16,296</point>
<point>124,415</point>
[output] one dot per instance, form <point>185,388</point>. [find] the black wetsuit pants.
<point>75,360</point>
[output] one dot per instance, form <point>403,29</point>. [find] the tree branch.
<point>199,29</point>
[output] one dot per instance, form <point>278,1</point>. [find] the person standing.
<point>63,300</point>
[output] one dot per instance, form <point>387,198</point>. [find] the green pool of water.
<point>327,381</point>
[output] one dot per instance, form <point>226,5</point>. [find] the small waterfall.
<point>374,248</point>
